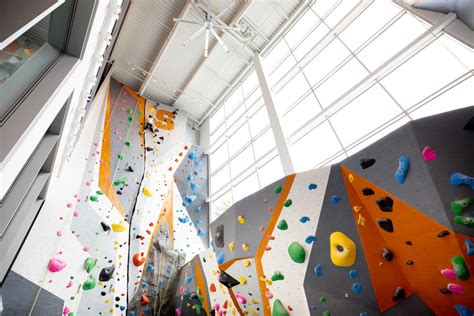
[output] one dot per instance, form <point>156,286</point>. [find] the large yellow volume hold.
<point>342,249</point>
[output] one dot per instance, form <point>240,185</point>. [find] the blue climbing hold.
<point>189,280</point>
<point>309,240</point>
<point>313,306</point>
<point>336,199</point>
<point>131,313</point>
<point>189,177</point>
<point>469,247</point>
<point>198,209</point>
<point>356,288</point>
<point>122,308</point>
<point>193,185</point>
<point>190,198</point>
<point>198,163</point>
<point>184,220</point>
<point>463,310</point>
<point>402,171</point>
<point>192,156</point>
<point>220,257</point>
<point>460,179</point>
<point>353,274</point>
<point>363,314</point>
<point>312,186</point>
<point>318,270</point>
<point>201,233</point>
<point>304,219</point>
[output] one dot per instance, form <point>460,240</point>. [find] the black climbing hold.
<point>445,291</point>
<point>139,236</point>
<point>161,137</point>
<point>408,242</point>
<point>387,254</point>
<point>399,294</point>
<point>149,148</point>
<point>367,191</point>
<point>469,125</point>
<point>105,227</point>
<point>219,236</point>
<point>227,280</point>
<point>193,296</point>
<point>386,224</point>
<point>410,262</point>
<point>385,204</point>
<point>130,169</point>
<point>443,233</point>
<point>367,162</point>
<point>213,312</point>
<point>119,192</point>
<point>106,274</point>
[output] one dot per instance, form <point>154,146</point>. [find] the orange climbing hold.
<point>212,288</point>
<point>138,260</point>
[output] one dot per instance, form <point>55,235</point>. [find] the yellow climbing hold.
<point>269,281</point>
<point>350,177</point>
<point>357,208</point>
<point>147,192</point>
<point>246,262</point>
<point>241,219</point>
<point>151,109</point>
<point>253,312</point>
<point>245,247</point>
<point>231,246</point>
<point>118,228</point>
<point>361,220</point>
<point>342,249</point>
<point>242,279</point>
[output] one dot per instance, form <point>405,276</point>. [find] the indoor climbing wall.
<point>389,230</point>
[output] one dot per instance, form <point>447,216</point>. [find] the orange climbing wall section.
<point>429,253</point>
<point>201,285</point>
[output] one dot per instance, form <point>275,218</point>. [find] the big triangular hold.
<point>469,125</point>
<point>406,253</point>
<point>227,280</point>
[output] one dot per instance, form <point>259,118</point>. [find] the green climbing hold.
<point>288,203</point>
<point>464,220</point>
<point>277,276</point>
<point>89,264</point>
<point>282,225</point>
<point>278,309</point>
<point>99,192</point>
<point>129,111</point>
<point>278,189</point>
<point>121,156</point>
<point>140,112</point>
<point>89,284</point>
<point>322,299</point>
<point>130,119</point>
<point>296,252</point>
<point>128,143</point>
<point>460,268</point>
<point>198,309</point>
<point>201,297</point>
<point>93,198</point>
<point>70,314</point>
<point>460,205</point>
<point>326,313</point>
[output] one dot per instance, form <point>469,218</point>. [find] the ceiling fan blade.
<point>218,15</point>
<point>199,11</point>
<point>194,35</point>
<point>206,44</point>
<point>208,9</point>
<point>214,33</point>
<point>226,27</point>
<point>186,21</point>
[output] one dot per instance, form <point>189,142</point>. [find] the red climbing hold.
<point>212,288</point>
<point>144,300</point>
<point>137,260</point>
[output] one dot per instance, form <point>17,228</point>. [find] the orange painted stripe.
<point>268,232</point>
<point>201,285</point>
<point>236,303</point>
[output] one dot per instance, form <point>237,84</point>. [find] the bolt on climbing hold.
<point>458,178</point>
<point>387,254</point>
<point>398,294</point>
<point>282,225</point>
<point>106,274</point>
<point>469,247</point>
<point>464,220</point>
<point>89,264</point>
<point>459,206</point>
<point>277,276</point>
<point>56,265</point>
<point>385,204</point>
<point>460,268</point>
<point>428,154</point>
<point>403,167</point>
<point>342,250</point>
<point>241,219</point>
<point>89,284</point>
<point>297,252</point>
<point>278,189</point>
<point>367,162</point>
<point>279,309</point>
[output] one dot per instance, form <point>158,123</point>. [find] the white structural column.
<point>275,118</point>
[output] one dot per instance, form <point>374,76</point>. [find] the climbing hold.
<point>288,203</point>
<point>128,143</point>
<point>121,156</point>
<point>93,198</point>
<point>367,191</point>
<point>409,262</point>
<point>449,273</point>
<point>385,204</point>
<point>387,254</point>
<point>342,250</point>
<point>231,246</point>
<point>278,189</point>
<point>89,264</point>
<point>463,310</point>
<point>282,225</point>
<point>89,284</point>
<point>227,280</point>
<point>129,169</point>
<point>240,298</point>
<point>242,279</point>
<point>455,288</point>
<point>147,192</point>
<point>335,199</point>
<point>245,247</point>
<point>106,273</point>
<point>357,208</point>
<point>309,240</point>
<point>428,154</point>
<point>212,287</point>
<point>312,186</point>
<point>445,291</point>
<point>469,247</point>
<point>144,300</point>
<point>353,274</point>
<point>105,227</point>
<point>118,228</point>
<point>464,220</point>
<point>460,268</point>
<point>322,299</point>
<point>398,294</point>
<point>246,263</point>
<point>356,288</point>
<point>350,177</point>
<point>367,162</point>
<point>443,233</point>
<point>56,265</point>
<point>219,236</point>
<point>462,179</point>
<point>277,276</point>
<point>279,309</point>
<point>241,219</point>
<point>304,219</point>
<point>460,205</point>
<point>138,260</point>
<point>402,171</point>
<point>318,270</point>
<point>220,257</point>
<point>297,252</point>
<point>361,220</point>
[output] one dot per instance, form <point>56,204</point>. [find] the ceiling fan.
<point>209,26</point>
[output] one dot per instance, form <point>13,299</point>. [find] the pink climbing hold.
<point>65,310</point>
<point>178,311</point>
<point>240,298</point>
<point>455,288</point>
<point>428,154</point>
<point>59,233</point>
<point>56,265</point>
<point>181,290</point>
<point>268,294</point>
<point>85,248</point>
<point>69,205</point>
<point>69,284</point>
<point>449,273</point>
<point>76,213</point>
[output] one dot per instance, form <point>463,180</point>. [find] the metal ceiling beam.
<point>163,49</point>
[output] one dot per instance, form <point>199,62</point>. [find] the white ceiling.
<point>150,56</point>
